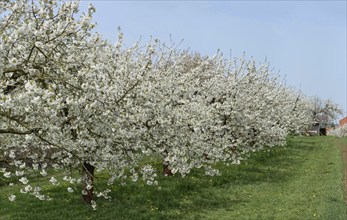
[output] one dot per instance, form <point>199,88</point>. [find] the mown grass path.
<point>343,144</point>
<point>304,180</point>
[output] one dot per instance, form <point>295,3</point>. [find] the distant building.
<point>343,121</point>
<point>319,127</point>
<point>322,125</point>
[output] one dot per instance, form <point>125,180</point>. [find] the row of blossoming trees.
<point>70,100</point>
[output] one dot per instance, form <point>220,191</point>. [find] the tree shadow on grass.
<point>277,165</point>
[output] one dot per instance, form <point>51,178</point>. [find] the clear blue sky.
<point>304,40</point>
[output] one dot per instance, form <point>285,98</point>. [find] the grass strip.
<point>303,180</point>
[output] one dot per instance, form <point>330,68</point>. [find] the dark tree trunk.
<point>322,131</point>
<point>166,170</point>
<point>87,179</point>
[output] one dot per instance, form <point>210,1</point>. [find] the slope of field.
<point>304,180</point>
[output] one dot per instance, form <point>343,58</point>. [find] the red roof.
<point>343,121</point>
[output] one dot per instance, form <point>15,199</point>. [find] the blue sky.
<point>304,40</point>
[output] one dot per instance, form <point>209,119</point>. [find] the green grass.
<point>301,181</point>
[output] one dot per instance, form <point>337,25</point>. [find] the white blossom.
<point>12,155</point>
<point>53,181</point>
<point>24,180</point>
<point>19,173</point>
<point>12,198</point>
<point>7,174</point>
<point>93,204</point>
<point>43,172</point>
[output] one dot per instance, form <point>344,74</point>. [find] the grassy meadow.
<point>303,180</point>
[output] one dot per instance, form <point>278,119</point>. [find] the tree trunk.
<point>87,179</point>
<point>166,170</point>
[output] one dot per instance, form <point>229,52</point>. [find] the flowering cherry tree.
<point>325,112</point>
<point>63,94</point>
<point>340,131</point>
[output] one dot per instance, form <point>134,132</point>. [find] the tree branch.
<point>13,131</point>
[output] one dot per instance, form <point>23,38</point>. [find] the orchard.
<point>70,100</point>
